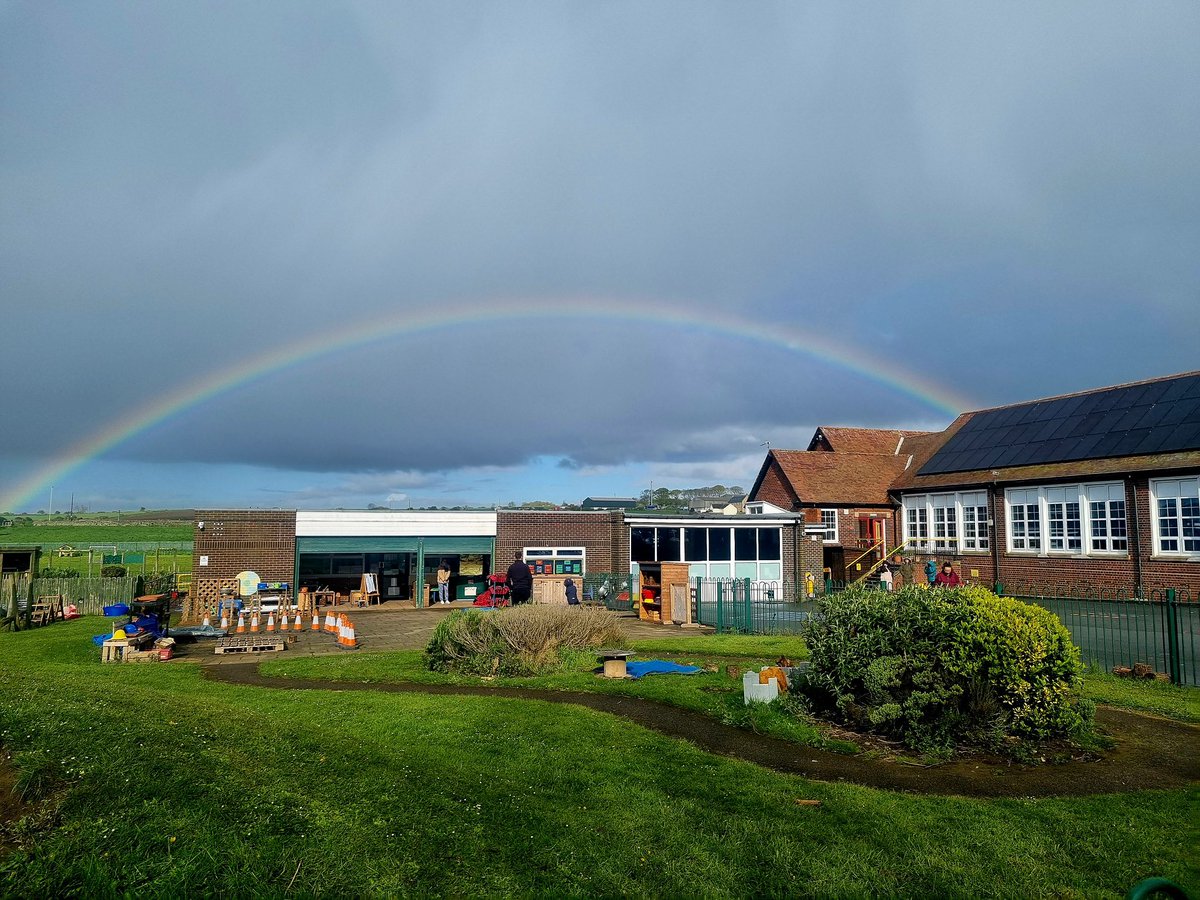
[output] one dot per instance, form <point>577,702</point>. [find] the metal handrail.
<point>879,562</point>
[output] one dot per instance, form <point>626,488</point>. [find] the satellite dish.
<point>247,583</point>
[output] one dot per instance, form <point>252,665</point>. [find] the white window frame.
<point>829,535</point>
<point>942,518</point>
<point>558,554</point>
<point>1092,530</point>
<point>1178,489</point>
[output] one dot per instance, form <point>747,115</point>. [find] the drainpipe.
<point>796,556</point>
<point>1137,541</point>
<point>994,537</point>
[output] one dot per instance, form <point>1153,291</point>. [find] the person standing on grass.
<point>443,582</point>
<point>572,592</point>
<point>947,577</point>
<point>520,580</point>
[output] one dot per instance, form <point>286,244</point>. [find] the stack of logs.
<point>1140,670</point>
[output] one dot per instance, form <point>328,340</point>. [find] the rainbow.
<point>405,324</point>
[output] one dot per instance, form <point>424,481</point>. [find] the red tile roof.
<point>888,441</point>
<point>860,479</point>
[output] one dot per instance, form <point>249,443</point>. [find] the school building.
<point>1099,487</point>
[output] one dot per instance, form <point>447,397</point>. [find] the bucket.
<point>753,692</point>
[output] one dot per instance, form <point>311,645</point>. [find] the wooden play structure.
<point>662,592</point>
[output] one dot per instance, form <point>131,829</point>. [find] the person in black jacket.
<point>520,580</point>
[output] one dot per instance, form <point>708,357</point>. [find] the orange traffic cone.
<point>241,623</point>
<point>330,626</point>
<point>224,619</point>
<point>351,641</point>
<point>297,625</point>
<point>254,620</point>
<point>270,621</point>
<point>207,623</point>
<point>316,625</point>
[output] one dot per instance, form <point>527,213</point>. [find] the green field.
<point>152,780</point>
<point>82,536</point>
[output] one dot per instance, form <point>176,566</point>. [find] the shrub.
<point>524,640</point>
<point>939,667</point>
<point>51,572</point>
<point>112,572</point>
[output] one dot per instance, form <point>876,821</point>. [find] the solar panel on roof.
<point>1158,417</point>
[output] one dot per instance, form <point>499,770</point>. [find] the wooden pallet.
<point>250,643</point>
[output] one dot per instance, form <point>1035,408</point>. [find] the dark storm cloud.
<point>1004,199</point>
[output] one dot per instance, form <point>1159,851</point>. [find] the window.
<point>959,522</point>
<point>945,522</point>
<point>1024,520</point>
<point>1176,516</point>
<point>554,560</point>
<point>641,544</point>
<point>1106,509</point>
<point>1081,519</point>
<point>711,552</point>
<point>745,544</point>
<point>916,519</point>
<point>829,522</point>
<point>1064,528</point>
<point>719,547</point>
<point>975,521</point>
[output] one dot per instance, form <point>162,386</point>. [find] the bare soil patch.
<point>1150,752</point>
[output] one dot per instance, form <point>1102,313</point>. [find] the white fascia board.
<point>394,523</point>
<point>716,520</point>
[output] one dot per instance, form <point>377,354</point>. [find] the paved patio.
<point>381,628</point>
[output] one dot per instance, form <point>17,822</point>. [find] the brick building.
<point>333,549</point>
<point>839,486</point>
<point>1098,488</point>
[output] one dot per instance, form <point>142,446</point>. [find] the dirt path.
<point>1151,752</point>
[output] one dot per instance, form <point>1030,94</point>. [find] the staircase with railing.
<point>873,566</point>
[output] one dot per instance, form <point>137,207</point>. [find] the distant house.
<point>1099,488</point>
<point>840,484</point>
<point>593,503</point>
<point>726,506</point>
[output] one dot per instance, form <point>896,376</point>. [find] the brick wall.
<point>602,534</point>
<point>775,488</point>
<point>1117,574</point>
<point>236,540</point>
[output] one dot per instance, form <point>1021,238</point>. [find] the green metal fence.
<point>608,588</point>
<point>742,606</point>
<point>1114,628</point>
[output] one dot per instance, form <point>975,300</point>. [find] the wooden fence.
<point>91,595</point>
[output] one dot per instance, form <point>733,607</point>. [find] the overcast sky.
<point>998,201</point>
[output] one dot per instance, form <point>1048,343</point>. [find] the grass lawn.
<point>81,536</point>
<point>1169,700</point>
<point>153,780</point>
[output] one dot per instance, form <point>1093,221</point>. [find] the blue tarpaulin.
<point>658,667</point>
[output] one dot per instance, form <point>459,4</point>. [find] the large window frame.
<point>1085,520</point>
<point>949,522</point>
<point>727,549</point>
<point>1175,517</point>
<point>829,526</point>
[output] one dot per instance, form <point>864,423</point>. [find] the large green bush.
<point>523,640</point>
<point>946,666</point>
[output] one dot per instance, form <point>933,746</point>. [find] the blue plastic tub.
<point>99,639</point>
<point>117,609</point>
